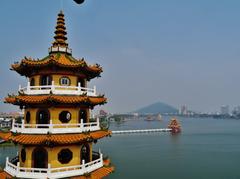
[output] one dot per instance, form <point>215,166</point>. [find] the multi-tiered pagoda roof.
<point>55,139</point>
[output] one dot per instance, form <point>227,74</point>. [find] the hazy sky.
<point>178,52</point>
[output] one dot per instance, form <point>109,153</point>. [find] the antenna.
<point>61,4</point>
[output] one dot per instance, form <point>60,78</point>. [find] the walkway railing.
<point>56,89</point>
<point>54,128</point>
<point>53,173</point>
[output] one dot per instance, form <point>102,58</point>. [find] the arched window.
<point>23,155</point>
<point>65,156</point>
<point>43,116</point>
<point>85,153</point>
<point>39,158</point>
<point>45,80</point>
<point>32,82</point>
<point>65,81</point>
<point>28,117</point>
<point>65,116</point>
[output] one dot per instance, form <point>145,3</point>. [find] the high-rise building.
<point>224,110</point>
<point>183,110</point>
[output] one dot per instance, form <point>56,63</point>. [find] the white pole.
<point>79,88</point>
<point>28,87</point>
<point>7,160</point>
<point>98,123</point>
<point>83,165</point>
<point>94,91</point>
<point>13,123</point>
<point>53,87</point>
<point>81,125</point>
<point>50,126</point>
<point>18,167</point>
<point>23,124</point>
<point>49,170</point>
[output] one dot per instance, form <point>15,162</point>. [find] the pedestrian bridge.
<point>142,131</point>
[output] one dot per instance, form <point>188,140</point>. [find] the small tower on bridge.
<point>174,125</point>
<point>55,138</point>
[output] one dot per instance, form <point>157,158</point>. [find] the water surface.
<point>206,149</point>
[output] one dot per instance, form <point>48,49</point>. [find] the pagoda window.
<point>85,153</point>
<point>28,117</point>
<point>32,82</point>
<point>65,81</point>
<point>43,117</point>
<point>46,80</point>
<point>23,155</point>
<point>65,116</point>
<point>83,115</point>
<point>39,158</point>
<point>65,156</point>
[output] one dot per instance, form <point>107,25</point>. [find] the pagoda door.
<point>46,80</point>
<point>43,117</point>
<point>83,115</point>
<point>85,153</point>
<point>39,158</point>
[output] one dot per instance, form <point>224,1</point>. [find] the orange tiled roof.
<point>57,139</point>
<point>97,174</point>
<point>5,175</point>
<point>43,99</point>
<point>58,59</point>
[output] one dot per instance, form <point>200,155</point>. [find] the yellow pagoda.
<point>55,139</point>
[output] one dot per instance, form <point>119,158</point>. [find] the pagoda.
<point>56,137</point>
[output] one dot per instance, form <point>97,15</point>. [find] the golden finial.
<point>60,32</point>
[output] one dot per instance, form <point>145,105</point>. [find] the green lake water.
<point>206,149</point>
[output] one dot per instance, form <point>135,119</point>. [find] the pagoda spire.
<point>60,32</point>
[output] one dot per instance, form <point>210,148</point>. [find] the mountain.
<point>156,108</point>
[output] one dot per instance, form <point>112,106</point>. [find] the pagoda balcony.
<point>58,90</point>
<point>53,173</point>
<point>55,128</point>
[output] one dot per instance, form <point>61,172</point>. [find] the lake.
<point>206,149</point>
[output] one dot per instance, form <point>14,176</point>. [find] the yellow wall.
<point>33,114</point>
<point>56,79</point>
<point>53,155</point>
<point>54,114</point>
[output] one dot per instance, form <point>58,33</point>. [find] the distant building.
<point>135,114</point>
<point>236,110</point>
<point>102,113</point>
<point>183,110</point>
<point>224,110</point>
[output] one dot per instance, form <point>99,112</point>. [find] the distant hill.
<point>156,108</point>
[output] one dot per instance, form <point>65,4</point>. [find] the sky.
<point>178,52</point>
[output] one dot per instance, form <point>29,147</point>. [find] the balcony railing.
<point>53,173</point>
<point>55,128</point>
<point>60,49</point>
<point>56,89</point>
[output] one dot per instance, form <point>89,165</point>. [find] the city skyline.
<point>174,52</point>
